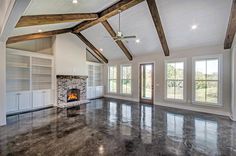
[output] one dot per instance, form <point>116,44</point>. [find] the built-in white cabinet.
<point>18,101</point>
<point>29,80</point>
<point>95,88</point>
<point>41,98</point>
<point>99,91</point>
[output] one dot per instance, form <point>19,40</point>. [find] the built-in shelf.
<point>38,65</point>
<point>29,81</point>
<point>18,73</point>
<point>18,79</point>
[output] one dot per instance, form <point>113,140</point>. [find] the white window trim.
<point>108,88</point>
<point>121,74</point>
<point>185,80</point>
<point>220,79</point>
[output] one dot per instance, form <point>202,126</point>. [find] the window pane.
<point>126,79</point>
<point>200,91</point>
<point>212,69</point>
<point>171,71</point>
<point>126,86</point>
<point>112,85</point>
<point>171,89</point>
<point>179,90</point>
<point>180,70</point>
<point>212,91</point>
<point>200,70</point>
<point>128,72</point>
<point>124,70</point>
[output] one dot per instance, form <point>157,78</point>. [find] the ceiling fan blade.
<point>127,37</point>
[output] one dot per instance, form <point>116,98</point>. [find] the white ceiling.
<point>177,17</point>
<point>100,38</point>
<point>39,7</point>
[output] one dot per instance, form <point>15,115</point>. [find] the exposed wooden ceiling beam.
<point>54,18</point>
<point>119,43</point>
<point>107,13</point>
<point>157,22</point>
<point>231,27</point>
<point>27,37</point>
<point>92,47</point>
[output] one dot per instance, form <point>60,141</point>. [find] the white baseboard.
<point>196,109</point>
<point>183,106</point>
<point>122,98</point>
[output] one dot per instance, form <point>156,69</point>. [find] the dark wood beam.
<point>231,27</point>
<point>92,47</point>
<point>157,22</point>
<point>119,43</point>
<point>54,18</point>
<point>34,36</point>
<point>107,13</point>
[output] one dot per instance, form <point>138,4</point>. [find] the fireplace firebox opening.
<point>73,95</point>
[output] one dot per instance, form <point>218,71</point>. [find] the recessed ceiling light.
<point>193,27</point>
<point>101,49</point>
<point>39,30</point>
<point>75,1</point>
<point>137,40</point>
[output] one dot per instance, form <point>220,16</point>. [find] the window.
<point>175,80</point>
<point>112,79</point>
<point>125,79</point>
<point>206,80</point>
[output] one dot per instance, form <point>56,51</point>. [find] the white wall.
<point>159,60</point>
<point>70,55</point>
<point>233,80</point>
<point>2,83</point>
<point>43,45</point>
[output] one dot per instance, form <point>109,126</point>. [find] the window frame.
<point>112,79</point>
<point>184,60</point>
<point>121,78</point>
<point>219,57</point>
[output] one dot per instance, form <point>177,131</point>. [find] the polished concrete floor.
<point>116,127</point>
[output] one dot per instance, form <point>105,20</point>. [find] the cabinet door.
<point>99,91</point>
<point>12,102</point>
<point>47,98</point>
<point>89,90</point>
<point>24,101</point>
<point>38,100</point>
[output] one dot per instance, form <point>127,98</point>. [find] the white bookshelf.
<point>18,73</point>
<point>41,73</point>
<point>29,78</point>
<point>95,88</point>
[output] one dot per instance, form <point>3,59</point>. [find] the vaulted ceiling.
<point>210,16</point>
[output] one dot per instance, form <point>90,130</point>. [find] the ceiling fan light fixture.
<point>137,40</point>
<point>75,1</point>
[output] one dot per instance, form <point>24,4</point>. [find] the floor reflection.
<point>126,120</point>
<point>108,126</point>
<point>146,124</point>
<point>112,113</point>
<point>175,124</point>
<point>206,135</point>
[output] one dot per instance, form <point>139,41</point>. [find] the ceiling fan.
<point>120,36</point>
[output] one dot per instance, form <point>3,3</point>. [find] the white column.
<point>2,83</point>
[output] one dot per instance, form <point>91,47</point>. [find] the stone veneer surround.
<point>65,82</point>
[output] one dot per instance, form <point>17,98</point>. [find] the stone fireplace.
<point>71,88</point>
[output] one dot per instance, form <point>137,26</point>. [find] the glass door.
<point>146,82</point>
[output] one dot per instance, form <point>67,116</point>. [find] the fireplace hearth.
<point>73,95</point>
